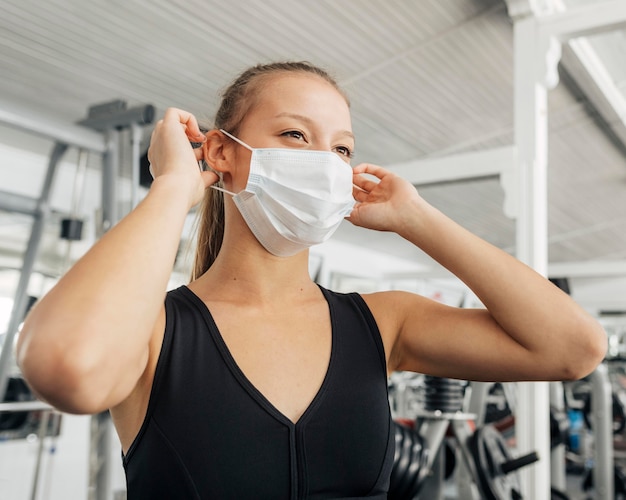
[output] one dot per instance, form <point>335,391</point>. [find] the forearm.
<point>100,315</point>
<point>529,308</point>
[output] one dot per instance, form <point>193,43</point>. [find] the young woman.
<point>252,381</point>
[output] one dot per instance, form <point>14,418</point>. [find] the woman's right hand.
<point>172,157</point>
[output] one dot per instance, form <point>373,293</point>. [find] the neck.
<point>245,271</point>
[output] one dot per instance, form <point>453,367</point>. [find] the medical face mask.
<point>294,198</point>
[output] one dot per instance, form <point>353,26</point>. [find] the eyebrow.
<point>306,119</point>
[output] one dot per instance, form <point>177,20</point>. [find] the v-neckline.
<point>254,392</point>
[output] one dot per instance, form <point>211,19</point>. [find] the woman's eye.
<point>293,133</point>
<point>343,150</point>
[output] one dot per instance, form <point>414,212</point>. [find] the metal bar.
<point>433,432</point>
<point>24,406</point>
<point>43,427</point>
<point>602,426</point>
<point>557,454</point>
<point>590,19</point>
<point>100,457</point>
<point>100,429</point>
<point>136,134</point>
<point>79,182</point>
<point>18,203</point>
<point>466,475</point>
<point>110,168</point>
<point>20,300</point>
<point>73,135</point>
<point>143,115</point>
<point>432,487</point>
<point>478,401</point>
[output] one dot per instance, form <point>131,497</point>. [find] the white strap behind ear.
<point>235,139</point>
<point>217,188</point>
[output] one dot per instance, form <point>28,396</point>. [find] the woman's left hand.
<point>386,203</point>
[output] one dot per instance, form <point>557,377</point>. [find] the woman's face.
<point>299,111</point>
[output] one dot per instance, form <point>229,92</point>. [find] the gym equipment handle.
<point>519,462</point>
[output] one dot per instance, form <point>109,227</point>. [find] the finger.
<point>199,154</point>
<point>157,126</point>
<point>192,129</point>
<point>364,183</point>
<point>209,178</point>
<point>359,195</point>
<point>368,168</point>
<point>354,216</point>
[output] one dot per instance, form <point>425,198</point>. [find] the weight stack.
<point>441,394</point>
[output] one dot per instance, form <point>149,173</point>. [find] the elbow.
<point>590,349</point>
<point>62,379</point>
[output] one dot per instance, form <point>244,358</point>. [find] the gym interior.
<point>507,115</point>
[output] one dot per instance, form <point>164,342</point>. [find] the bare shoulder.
<point>391,310</point>
<point>128,416</point>
<point>391,307</point>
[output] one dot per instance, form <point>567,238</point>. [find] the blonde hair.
<point>237,100</point>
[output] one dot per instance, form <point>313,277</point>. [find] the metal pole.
<point>478,401</point>
<point>41,435</point>
<point>110,167</point>
<point>433,433</point>
<point>557,455</point>
<point>18,203</point>
<point>20,300</point>
<point>136,134</point>
<point>602,426</point>
<point>100,467</point>
<point>100,461</point>
<point>79,182</point>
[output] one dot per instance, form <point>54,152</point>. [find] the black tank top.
<point>210,434</point>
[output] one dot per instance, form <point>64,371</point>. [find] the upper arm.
<point>425,336</point>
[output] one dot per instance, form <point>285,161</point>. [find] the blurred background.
<point>432,85</point>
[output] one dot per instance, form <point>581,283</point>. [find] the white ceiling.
<point>427,78</point>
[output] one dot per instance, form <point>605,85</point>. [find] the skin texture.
<point>99,331</point>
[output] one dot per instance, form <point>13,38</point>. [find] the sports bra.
<point>209,433</point>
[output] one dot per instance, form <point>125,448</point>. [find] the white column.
<point>531,138</point>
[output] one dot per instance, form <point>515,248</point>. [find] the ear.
<point>217,151</point>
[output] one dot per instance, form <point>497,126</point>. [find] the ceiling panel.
<point>427,78</point>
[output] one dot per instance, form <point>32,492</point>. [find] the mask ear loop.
<point>239,141</point>
<point>217,188</point>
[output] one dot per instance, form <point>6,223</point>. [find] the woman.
<point>252,381</point>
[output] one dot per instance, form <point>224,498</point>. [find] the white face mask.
<point>294,198</point>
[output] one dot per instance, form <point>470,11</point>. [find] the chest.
<point>284,354</point>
